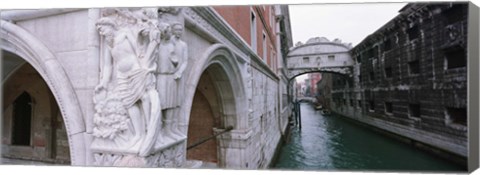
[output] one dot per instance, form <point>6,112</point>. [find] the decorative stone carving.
<point>128,107</point>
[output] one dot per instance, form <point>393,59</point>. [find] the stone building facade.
<point>229,80</point>
<point>410,78</point>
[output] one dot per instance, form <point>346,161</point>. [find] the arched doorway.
<point>32,127</point>
<point>204,118</point>
<point>215,101</point>
<point>18,41</point>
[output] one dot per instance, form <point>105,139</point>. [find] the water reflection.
<point>333,143</point>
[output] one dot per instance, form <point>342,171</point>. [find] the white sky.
<point>350,23</point>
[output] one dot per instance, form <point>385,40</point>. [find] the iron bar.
<point>229,128</point>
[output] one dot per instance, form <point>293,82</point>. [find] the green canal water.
<point>335,143</point>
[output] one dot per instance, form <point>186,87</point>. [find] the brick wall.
<point>48,138</point>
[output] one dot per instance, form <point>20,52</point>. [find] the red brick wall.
<point>44,112</point>
<point>201,126</point>
<point>238,17</point>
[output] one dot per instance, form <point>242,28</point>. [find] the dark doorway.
<point>22,111</point>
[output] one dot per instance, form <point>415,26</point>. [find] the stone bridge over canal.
<point>320,55</point>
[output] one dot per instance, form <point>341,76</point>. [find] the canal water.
<point>335,143</point>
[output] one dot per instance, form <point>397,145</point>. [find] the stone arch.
<point>18,41</point>
<point>231,92</point>
<point>225,73</point>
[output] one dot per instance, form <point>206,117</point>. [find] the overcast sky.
<point>350,23</point>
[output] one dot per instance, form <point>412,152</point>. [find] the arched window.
<point>22,119</point>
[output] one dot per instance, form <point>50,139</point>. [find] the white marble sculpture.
<point>172,63</point>
<point>126,102</point>
<point>141,68</point>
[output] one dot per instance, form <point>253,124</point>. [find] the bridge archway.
<point>16,40</point>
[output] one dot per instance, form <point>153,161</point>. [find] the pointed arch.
<point>18,41</point>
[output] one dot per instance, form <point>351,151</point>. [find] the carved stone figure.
<point>126,102</point>
<point>181,52</point>
<point>172,63</point>
<point>140,82</point>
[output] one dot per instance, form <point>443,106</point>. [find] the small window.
<point>370,53</point>
<point>387,45</point>
<point>372,76</point>
<point>352,102</point>
<point>371,105</point>
<point>264,45</point>
<point>253,31</point>
<point>22,118</point>
<point>388,108</point>
<point>388,72</point>
<point>359,103</point>
<point>457,116</point>
<point>456,59</point>
<point>414,67</point>
<point>455,13</point>
<point>359,59</point>
<point>331,57</point>
<point>414,110</point>
<point>306,60</point>
<point>413,33</point>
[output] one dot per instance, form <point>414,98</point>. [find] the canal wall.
<point>410,78</point>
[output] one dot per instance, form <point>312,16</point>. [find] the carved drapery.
<point>129,122</point>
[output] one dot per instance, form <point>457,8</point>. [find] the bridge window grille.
<point>457,116</point>
<point>388,72</point>
<point>22,118</point>
<point>413,33</point>
<point>414,110</point>
<point>455,58</point>
<point>388,108</point>
<point>306,60</point>
<point>414,67</point>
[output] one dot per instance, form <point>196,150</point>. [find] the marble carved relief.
<point>137,97</point>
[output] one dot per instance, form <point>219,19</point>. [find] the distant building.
<point>410,78</point>
<point>314,79</point>
<point>324,90</point>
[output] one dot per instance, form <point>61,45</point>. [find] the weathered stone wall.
<point>264,120</point>
<point>410,77</point>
